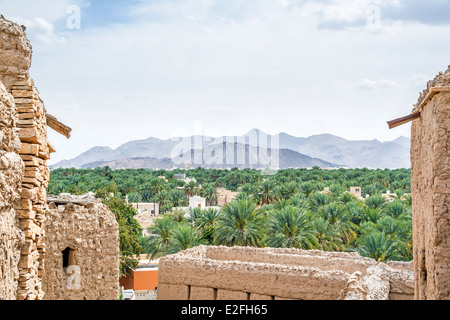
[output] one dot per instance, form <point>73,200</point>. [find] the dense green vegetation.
<point>284,210</point>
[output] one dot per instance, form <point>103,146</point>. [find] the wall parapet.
<point>242,273</point>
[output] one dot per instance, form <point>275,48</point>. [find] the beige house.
<point>357,192</point>
<point>147,213</point>
<point>152,209</point>
<point>225,196</point>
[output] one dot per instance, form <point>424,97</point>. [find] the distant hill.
<point>323,150</point>
<point>227,155</point>
<point>352,154</point>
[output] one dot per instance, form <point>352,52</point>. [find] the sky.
<point>116,71</point>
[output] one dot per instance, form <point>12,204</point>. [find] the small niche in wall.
<point>68,257</point>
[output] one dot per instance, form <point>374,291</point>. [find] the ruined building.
<point>24,176</point>
<point>86,232</point>
<point>430,186</point>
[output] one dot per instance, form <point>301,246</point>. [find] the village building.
<point>196,202</point>
<point>143,280</point>
<point>82,250</point>
<point>225,196</point>
<point>151,209</point>
<point>357,192</point>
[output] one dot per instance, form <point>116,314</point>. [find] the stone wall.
<point>31,123</point>
<point>241,273</point>
<point>91,231</point>
<point>11,175</point>
<point>32,205</point>
<point>380,282</point>
<point>430,186</point>
<point>15,52</point>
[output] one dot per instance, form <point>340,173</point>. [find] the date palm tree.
<point>377,245</point>
<point>318,200</point>
<point>290,227</point>
<point>206,223</point>
<point>347,197</point>
<point>183,237</point>
<point>376,202</point>
<point>239,225</point>
<point>156,186</point>
<point>307,188</point>
<point>327,235</point>
<point>338,216</point>
<point>396,209</point>
<point>248,189</point>
<point>266,194</point>
<point>209,192</point>
<point>164,199</point>
<point>158,243</point>
<point>178,198</point>
<point>190,189</point>
<point>288,190</point>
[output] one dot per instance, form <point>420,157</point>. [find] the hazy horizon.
<point>52,162</point>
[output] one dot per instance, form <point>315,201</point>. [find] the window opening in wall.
<point>68,257</point>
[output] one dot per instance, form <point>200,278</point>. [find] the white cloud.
<point>377,84</point>
<point>43,31</point>
<point>49,10</point>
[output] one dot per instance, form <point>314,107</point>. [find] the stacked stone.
<point>11,175</point>
<point>32,205</point>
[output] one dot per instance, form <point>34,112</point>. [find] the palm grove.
<point>283,209</point>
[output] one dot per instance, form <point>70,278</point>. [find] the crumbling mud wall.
<point>11,175</point>
<point>82,250</point>
<point>430,186</point>
<point>15,52</point>
<point>241,273</point>
<point>380,282</point>
<point>88,230</point>
<point>31,123</point>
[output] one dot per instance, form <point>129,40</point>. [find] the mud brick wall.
<point>92,233</point>
<point>31,209</point>
<point>11,175</point>
<point>430,184</point>
<point>241,273</point>
<point>24,151</point>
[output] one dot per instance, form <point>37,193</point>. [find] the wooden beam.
<point>431,93</point>
<point>59,127</point>
<point>400,121</point>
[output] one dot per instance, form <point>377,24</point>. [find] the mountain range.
<point>255,149</point>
